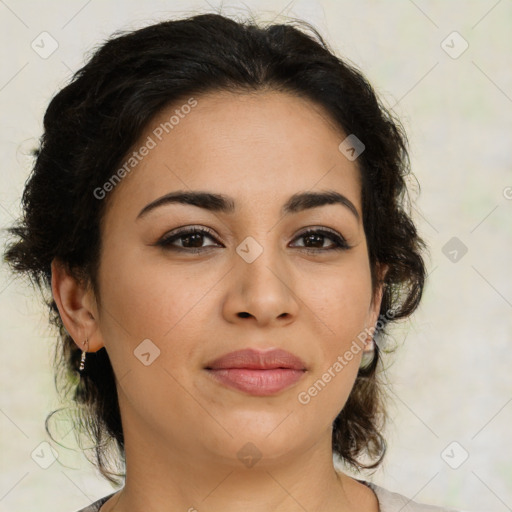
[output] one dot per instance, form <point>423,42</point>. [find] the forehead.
<point>252,146</point>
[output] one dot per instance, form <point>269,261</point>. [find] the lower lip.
<point>257,382</point>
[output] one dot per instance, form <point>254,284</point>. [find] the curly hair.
<point>94,121</point>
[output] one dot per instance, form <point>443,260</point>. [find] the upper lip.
<point>257,360</point>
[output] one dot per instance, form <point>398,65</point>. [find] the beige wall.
<point>451,378</point>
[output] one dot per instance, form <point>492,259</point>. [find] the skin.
<point>182,429</point>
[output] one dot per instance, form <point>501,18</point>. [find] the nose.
<point>262,292</point>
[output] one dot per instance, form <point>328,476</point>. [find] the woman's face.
<point>169,309</point>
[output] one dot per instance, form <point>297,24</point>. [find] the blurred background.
<point>445,68</point>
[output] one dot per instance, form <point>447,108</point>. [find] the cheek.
<point>142,302</point>
<point>341,302</point>
<point>151,301</point>
<point>340,298</point>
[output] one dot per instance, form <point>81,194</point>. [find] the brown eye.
<point>191,239</point>
<point>314,240</point>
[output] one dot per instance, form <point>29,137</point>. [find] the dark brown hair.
<point>93,122</point>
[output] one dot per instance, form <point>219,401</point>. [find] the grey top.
<point>393,502</point>
<point>388,502</point>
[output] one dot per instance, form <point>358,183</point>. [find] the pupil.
<point>319,238</point>
<point>196,236</point>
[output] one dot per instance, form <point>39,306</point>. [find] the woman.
<point>218,211</point>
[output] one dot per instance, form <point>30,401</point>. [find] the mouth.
<point>257,373</point>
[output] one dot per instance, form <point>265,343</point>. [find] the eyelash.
<point>340,244</point>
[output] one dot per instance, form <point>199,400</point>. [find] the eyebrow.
<point>225,204</point>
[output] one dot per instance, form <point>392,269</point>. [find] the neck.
<point>160,477</point>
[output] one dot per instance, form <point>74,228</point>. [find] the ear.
<point>373,312</point>
<point>77,308</point>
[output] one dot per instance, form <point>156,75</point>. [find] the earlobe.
<point>369,345</point>
<point>75,304</point>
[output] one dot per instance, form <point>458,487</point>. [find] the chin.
<point>270,436</point>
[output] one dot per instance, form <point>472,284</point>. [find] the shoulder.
<point>94,507</point>
<point>390,501</point>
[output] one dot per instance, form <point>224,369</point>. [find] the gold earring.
<point>82,359</point>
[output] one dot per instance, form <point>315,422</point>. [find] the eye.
<point>316,236</point>
<point>191,240</point>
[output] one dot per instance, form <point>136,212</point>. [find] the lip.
<point>259,373</point>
